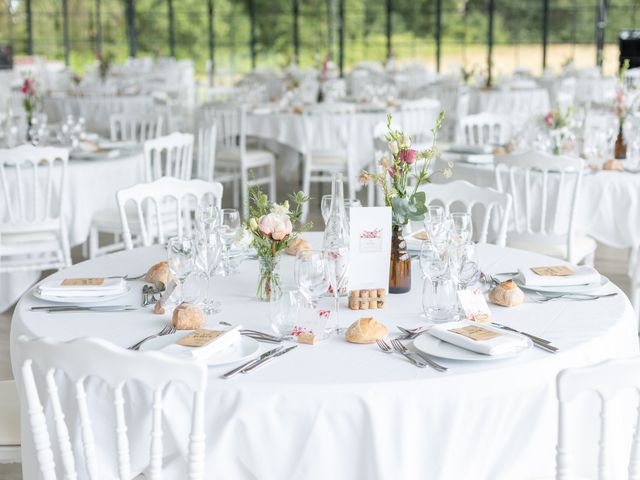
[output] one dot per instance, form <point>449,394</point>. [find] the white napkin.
<point>583,276</point>
<point>224,341</point>
<point>110,286</point>
<point>506,343</point>
<point>470,149</point>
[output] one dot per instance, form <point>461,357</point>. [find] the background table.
<point>91,187</point>
<point>519,105</point>
<point>344,411</point>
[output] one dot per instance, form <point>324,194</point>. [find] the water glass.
<point>207,215</point>
<point>433,262</point>
<point>460,228</point>
<point>228,229</point>
<point>208,255</point>
<point>180,256</point>
<point>436,226</point>
<point>311,274</point>
<point>440,299</point>
<point>463,261</point>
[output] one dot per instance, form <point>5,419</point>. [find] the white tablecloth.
<point>517,104</point>
<point>343,411</point>
<point>91,186</point>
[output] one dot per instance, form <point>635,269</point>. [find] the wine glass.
<point>463,260</point>
<point>207,214</point>
<point>311,274</point>
<point>228,228</point>
<point>180,257</point>
<point>325,207</point>
<point>461,228</point>
<point>208,254</point>
<point>436,226</point>
<point>432,261</point>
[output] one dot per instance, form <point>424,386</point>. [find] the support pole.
<point>99,37</point>
<point>211,35</point>
<point>172,29</point>
<point>438,34</point>
<point>341,37</point>
<point>601,26</point>
<point>389,31</point>
<point>252,14</point>
<point>491,7</point>
<point>296,31</point>
<point>29,20</point>
<point>131,27</point>
<point>65,30</point>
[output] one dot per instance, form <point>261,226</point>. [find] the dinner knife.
<point>266,360</point>
<point>71,308</point>
<point>537,341</point>
<point>265,355</point>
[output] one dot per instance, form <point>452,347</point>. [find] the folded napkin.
<point>224,341</point>
<point>502,344</point>
<point>470,149</point>
<point>56,288</point>
<point>583,276</point>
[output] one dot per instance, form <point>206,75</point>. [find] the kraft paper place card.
<point>82,282</point>
<point>474,305</point>
<point>554,271</point>
<point>199,338</point>
<point>369,247</point>
<point>476,333</point>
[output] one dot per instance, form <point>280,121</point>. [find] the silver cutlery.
<point>541,343</point>
<point>235,371</point>
<point>411,333</point>
<point>264,337</point>
<point>387,349</point>
<point>259,363</point>
<point>571,296</point>
<point>397,344</point>
<point>127,277</point>
<point>77,308</point>
<point>168,329</point>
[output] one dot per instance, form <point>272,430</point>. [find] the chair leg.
<point>93,242</point>
<point>236,192</point>
<point>306,185</point>
<point>272,180</point>
<point>244,193</point>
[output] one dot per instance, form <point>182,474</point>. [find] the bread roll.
<point>507,294</point>
<point>188,317</point>
<point>158,273</point>
<point>366,330</point>
<point>614,165</point>
<point>297,245</point>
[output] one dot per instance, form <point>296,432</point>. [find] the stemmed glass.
<point>180,257</point>
<point>311,274</point>
<point>325,206</point>
<point>207,214</point>
<point>463,262</point>
<point>436,226</point>
<point>208,253</point>
<point>337,269</point>
<point>228,228</point>
<point>460,228</point>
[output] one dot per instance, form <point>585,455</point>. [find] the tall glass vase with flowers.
<point>30,101</point>
<point>558,124</point>
<point>400,175</point>
<point>271,226</point>
<point>620,109</point>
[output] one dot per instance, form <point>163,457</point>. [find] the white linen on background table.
<point>518,104</point>
<point>342,411</point>
<point>91,187</point>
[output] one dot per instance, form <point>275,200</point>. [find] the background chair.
<point>328,148</point>
<point>545,190</point>
<point>493,203</point>
<point>33,233</point>
<point>171,155</point>
<point>80,360</point>
<point>484,129</point>
<point>164,194</point>
<point>9,423</point>
<point>127,127</point>
<point>606,380</point>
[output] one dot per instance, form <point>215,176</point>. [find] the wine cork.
<point>373,304</point>
<point>373,293</point>
<point>381,292</point>
<point>354,303</point>
<point>307,338</point>
<point>380,303</point>
<point>355,293</point>
<point>364,293</point>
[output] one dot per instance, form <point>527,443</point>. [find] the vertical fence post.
<point>131,27</point>
<point>491,7</point>
<point>388,30</point>
<point>601,26</point>
<point>29,20</point>
<point>211,39</point>
<point>252,15</point>
<point>438,34</point>
<point>172,28</point>
<point>65,30</point>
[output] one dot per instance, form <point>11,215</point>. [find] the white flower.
<point>393,148</point>
<point>404,141</point>
<point>279,209</point>
<point>446,173</point>
<point>253,223</point>
<point>275,226</point>
<point>244,239</point>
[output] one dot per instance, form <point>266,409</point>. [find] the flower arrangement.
<point>559,126</point>
<point>324,71</point>
<point>30,97</point>
<point>556,119</point>
<point>271,227</point>
<point>405,164</point>
<point>467,74</point>
<point>104,63</point>
<point>620,103</point>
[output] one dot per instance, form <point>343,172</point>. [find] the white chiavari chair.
<point>33,233</point>
<point>484,129</point>
<point>50,366</point>
<point>328,148</point>
<point>606,382</point>
<point>172,156</point>
<point>155,202</point>
<point>129,127</point>
<point>545,191</point>
<point>253,165</point>
<point>493,204</point>
<point>9,423</point>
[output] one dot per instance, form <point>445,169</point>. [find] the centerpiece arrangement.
<point>30,101</point>
<point>400,176</point>
<point>271,227</point>
<point>620,108</point>
<point>105,59</point>
<point>559,125</point>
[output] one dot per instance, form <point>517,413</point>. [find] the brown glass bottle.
<point>620,148</point>
<point>400,268</point>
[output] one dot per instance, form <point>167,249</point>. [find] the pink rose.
<point>548,119</point>
<point>275,226</point>
<point>408,156</point>
<point>392,172</point>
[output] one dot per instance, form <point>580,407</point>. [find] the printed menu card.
<point>369,247</point>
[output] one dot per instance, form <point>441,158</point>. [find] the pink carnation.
<point>548,119</point>
<point>408,156</point>
<point>275,226</point>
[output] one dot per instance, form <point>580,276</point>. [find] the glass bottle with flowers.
<point>559,126</point>
<point>30,100</point>
<point>271,227</point>
<point>620,111</point>
<point>400,177</point>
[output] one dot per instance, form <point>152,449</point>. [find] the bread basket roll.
<point>158,273</point>
<point>366,330</point>
<point>187,317</point>
<point>507,294</point>
<point>298,244</point>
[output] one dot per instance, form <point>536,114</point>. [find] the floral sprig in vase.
<point>271,228</point>
<point>30,101</point>
<point>620,109</point>
<point>105,59</point>
<point>559,126</point>
<point>400,177</point>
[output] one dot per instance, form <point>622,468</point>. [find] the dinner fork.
<point>262,337</point>
<point>411,333</point>
<point>397,344</point>
<point>168,329</point>
<point>571,296</point>
<point>387,349</point>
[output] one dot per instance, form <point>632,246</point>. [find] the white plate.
<point>242,350</point>
<point>78,300</point>
<point>438,348</point>
<point>414,243</point>
<point>560,289</point>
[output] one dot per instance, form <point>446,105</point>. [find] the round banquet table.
<point>343,411</point>
<point>91,186</point>
<point>520,104</point>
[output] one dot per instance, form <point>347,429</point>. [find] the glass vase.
<point>268,278</point>
<point>620,147</point>
<point>400,268</point>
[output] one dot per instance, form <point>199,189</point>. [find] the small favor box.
<point>368,299</point>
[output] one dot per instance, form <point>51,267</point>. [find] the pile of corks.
<point>367,299</point>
